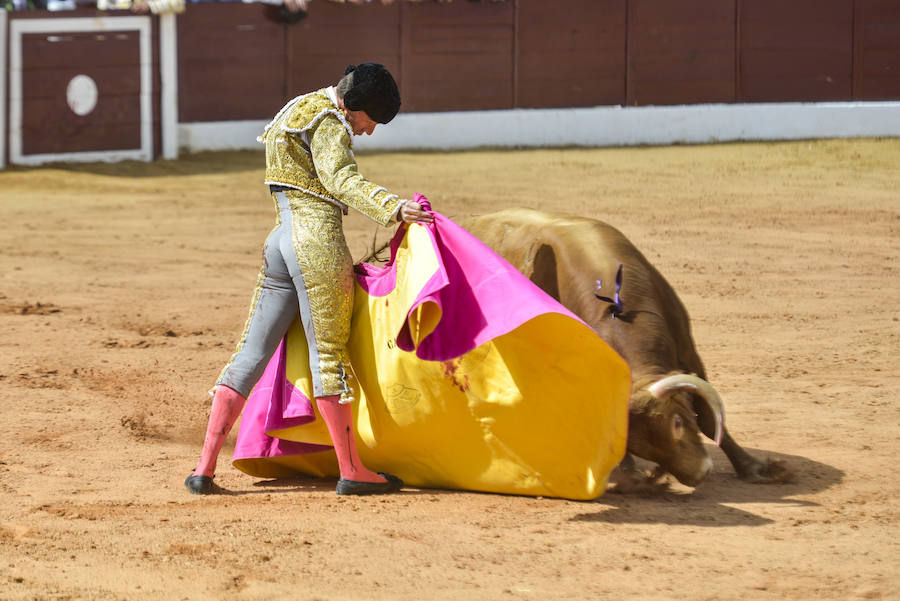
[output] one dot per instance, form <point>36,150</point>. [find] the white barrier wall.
<point>3,45</point>
<point>600,126</point>
<point>168,70</point>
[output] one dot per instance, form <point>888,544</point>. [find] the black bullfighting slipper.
<point>199,485</point>
<point>355,487</point>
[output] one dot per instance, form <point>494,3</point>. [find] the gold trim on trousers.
<point>307,268</point>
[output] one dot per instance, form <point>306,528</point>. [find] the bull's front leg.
<point>748,467</point>
<point>751,469</point>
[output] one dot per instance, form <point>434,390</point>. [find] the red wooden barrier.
<point>681,51</point>
<point>572,55</point>
<point>457,56</point>
<point>76,84</point>
<point>231,63</point>
<point>795,51</point>
<point>109,59</point>
<point>876,50</point>
<point>321,46</point>
<point>235,63</point>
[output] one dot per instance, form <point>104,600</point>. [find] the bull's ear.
<point>544,273</point>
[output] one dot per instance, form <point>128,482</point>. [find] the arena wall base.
<point>220,135</point>
<point>3,45</point>
<point>598,127</point>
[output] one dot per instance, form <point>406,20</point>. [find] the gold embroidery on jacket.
<point>308,148</point>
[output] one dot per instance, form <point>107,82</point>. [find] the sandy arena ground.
<point>123,289</point>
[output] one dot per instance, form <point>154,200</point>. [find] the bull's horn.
<point>702,388</point>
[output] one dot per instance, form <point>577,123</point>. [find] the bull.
<point>597,273</point>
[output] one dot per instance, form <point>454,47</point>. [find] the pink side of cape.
<point>481,297</point>
<point>275,403</point>
<point>480,294</point>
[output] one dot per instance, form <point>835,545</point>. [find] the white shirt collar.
<point>332,95</point>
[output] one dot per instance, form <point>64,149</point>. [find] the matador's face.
<point>359,122</point>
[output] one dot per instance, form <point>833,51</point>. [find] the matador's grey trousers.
<point>306,268</point>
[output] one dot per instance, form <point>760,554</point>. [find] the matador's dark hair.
<point>370,87</point>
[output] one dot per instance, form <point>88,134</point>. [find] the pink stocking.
<point>226,408</point>
<point>338,417</point>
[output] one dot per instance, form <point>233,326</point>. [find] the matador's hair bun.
<point>370,87</point>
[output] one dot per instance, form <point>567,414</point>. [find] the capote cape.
<point>467,376</point>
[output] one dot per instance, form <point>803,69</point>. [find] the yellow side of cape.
<point>541,410</point>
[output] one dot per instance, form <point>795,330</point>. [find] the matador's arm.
<point>337,170</point>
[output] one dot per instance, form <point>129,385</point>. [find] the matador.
<point>313,179</point>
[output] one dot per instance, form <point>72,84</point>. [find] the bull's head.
<point>663,425</point>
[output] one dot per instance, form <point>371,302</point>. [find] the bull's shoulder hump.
<point>528,216</point>
<point>554,227</point>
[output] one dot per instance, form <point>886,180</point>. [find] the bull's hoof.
<point>773,471</point>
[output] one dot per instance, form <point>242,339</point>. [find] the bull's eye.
<point>677,427</point>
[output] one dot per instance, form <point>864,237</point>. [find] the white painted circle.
<point>81,94</point>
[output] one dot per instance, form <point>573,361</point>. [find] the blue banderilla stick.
<point>616,302</point>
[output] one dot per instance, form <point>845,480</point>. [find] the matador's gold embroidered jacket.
<point>308,149</point>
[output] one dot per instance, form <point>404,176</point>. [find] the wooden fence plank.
<point>110,64</point>
<point>48,126</point>
<point>795,51</point>
<point>571,56</point>
<point>72,49</point>
<point>876,54</point>
<point>231,63</point>
<point>367,33</point>
<point>681,51</point>
<point>51,82</point>
<point>457,56</point>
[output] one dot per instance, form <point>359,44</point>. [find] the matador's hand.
<point>412,212</point>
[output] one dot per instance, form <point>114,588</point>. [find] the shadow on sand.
<point>200,163</point>
<point>302,483</point>
<point>706,504</point>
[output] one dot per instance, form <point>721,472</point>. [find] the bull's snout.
<point>695,478</point>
